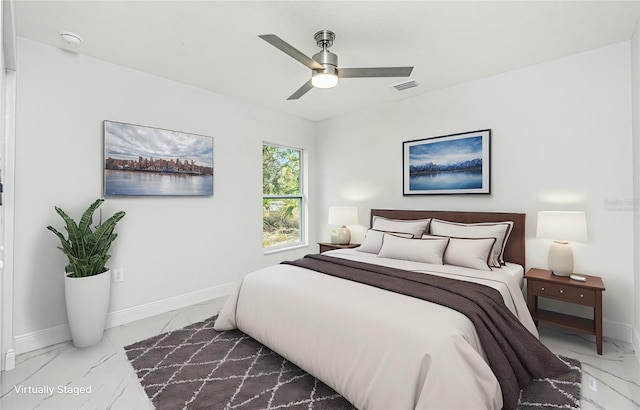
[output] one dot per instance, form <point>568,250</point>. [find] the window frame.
<point>300,196</point>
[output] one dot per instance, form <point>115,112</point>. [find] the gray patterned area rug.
<point>198,367</point>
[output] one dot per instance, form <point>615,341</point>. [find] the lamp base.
<point>561,259</point>
<point>344,235</point>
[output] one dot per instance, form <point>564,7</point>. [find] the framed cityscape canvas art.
<point>146,161</point>
<point>448,164</point>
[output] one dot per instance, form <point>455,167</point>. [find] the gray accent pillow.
<point>474,253</point>
<point>373,241</point>
<point>498,230</point>
<point>428,250</point>
<point>416,227</point>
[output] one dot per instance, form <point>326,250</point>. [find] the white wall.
<point>561,140</point>
<point>7,140</point>
<point>635,75</point>
<point>174,251</point>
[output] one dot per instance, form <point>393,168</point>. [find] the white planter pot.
<point>87,306</point>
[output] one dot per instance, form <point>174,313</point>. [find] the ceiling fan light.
<point>324,80</point>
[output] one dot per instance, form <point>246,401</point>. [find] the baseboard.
<point>132,314</point>
<point>9,360</point>
<point>46,337</point>
<point>42,338</point>
<point>617,331</point>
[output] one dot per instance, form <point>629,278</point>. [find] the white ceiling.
<point>215,45</point>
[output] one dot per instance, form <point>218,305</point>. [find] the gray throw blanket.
<point>515,356</point>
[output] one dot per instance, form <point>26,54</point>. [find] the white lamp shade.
<point>343,215</point>
<point>562,225</point>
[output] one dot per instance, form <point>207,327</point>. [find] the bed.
<point>382,349</point>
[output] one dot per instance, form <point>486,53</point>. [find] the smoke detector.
<point>71,38</point>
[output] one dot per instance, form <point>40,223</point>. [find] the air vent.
<point>404,86</point>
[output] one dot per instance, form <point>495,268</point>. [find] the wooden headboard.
<point>515,249</point>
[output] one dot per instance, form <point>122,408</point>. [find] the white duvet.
<point>379,349</point>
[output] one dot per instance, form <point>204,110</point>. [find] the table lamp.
<point>562,227</point>
<point>342,215</point>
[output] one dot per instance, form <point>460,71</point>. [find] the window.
<point>282,218</point>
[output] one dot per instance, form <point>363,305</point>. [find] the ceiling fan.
<point>324,65</point>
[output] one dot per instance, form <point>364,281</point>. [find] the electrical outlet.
<point>118,275</point>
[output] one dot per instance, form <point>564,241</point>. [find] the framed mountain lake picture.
<point>146,161</point>
<point>448,164</point>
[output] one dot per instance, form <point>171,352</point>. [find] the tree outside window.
<point>282,196</point>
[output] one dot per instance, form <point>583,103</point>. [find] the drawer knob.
<point>581,295</point>
<point>561,291</point>
<point>542,289</point>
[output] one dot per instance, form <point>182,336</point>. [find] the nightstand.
<point>542,283</point>
<point>328,246</point>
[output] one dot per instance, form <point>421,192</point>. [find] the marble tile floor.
<point>60,376</point>
<point>104,368</point>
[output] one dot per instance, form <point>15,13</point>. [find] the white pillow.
<point>429,250</point>
<point>506,238</point>
<point>474,253</point>
<point>416,227</point>
<point>498,230</point>
<point>373,241</point>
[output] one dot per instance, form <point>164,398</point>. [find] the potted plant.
<point>87,282</point>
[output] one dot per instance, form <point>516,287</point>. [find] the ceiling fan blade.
<point>287,48</point>
<point>301,91</point>
<point>374,72</point>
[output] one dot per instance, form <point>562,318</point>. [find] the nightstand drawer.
<point>562,292</point>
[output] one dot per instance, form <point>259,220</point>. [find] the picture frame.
<point>147,161</point>
<point>448,164</point>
